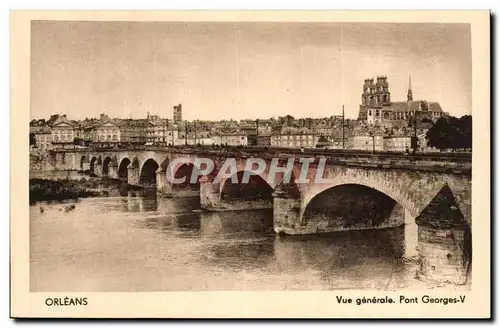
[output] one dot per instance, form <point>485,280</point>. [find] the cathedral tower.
<point>382,94</point>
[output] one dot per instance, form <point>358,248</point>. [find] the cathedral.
<point>376,105</point>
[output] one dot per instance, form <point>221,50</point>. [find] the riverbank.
<point>58,190</point>
<point>69,189</point>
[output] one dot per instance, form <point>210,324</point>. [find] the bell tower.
<point>368,95</point>
<point>383,95</point>
<point>375,95</point>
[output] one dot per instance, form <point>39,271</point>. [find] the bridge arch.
<point>147,177</point>
<point>84,159</point>
<point>123,169</point>
<point>256,189</point>
<point>93,162</point>
<point>273,182</point>
<point>186,170</point>
<point>105,165</point>
<point>350,205</point>
<point>397,195</point>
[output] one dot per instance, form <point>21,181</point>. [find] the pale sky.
<point>241,70</point>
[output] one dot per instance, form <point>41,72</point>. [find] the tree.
<point>322,139</point>
<point>437,135</point>
<point>451,133</point>
<point>465,126</point>
<point>32,139</point>
<point>78,141</point>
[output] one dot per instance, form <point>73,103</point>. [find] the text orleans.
<point>65,301</point>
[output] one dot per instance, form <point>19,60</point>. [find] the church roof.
<point>408,106</point>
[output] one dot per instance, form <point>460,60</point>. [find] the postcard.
<point>250,164</point>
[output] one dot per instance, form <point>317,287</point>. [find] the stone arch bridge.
<point>432,190</point>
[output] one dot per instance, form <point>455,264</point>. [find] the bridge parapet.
<point>453,163</point>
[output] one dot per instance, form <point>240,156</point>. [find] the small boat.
<point>69,207</point>
<point>42,209</point>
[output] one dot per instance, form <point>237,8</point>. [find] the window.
<point>370,112</point>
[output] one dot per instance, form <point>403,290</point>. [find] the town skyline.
<point>223,71</point>
<point>152,115</point>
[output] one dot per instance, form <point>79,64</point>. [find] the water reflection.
<point>188,223</point>
<point>139,201</point>
<point>239,254</point>
<point>163,245</point>
<point>240,240</point>
<point>342,250</point>
<point>237,223</point>
<point>354,259</point>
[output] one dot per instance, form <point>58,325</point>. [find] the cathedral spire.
<point>410,93</point>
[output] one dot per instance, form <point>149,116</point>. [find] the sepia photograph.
<point>205,155</point>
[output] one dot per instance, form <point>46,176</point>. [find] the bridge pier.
<point>133,175</point>
<point>98,170</point>
<point>86,166</point>
<point>286,213</point>
<point>163,186</point>
<point>113,171</point>
<point>444,241</point>
<point>210,196</point>
<point>411,235</point>
<point>442,254</point>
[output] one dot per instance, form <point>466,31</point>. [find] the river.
<point>139,242</point>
